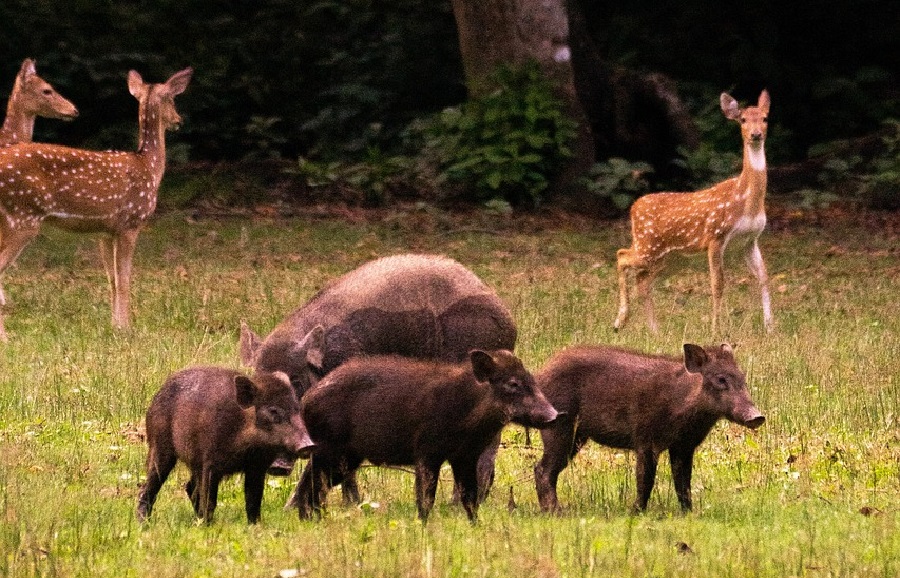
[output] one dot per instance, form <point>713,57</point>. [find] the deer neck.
<point>753,179</point>
<point>152,142</point>
<point>17,127</point>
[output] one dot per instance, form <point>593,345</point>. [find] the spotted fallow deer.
<point>706,220</point>
<point>111,192</point>
<point>31,97</point>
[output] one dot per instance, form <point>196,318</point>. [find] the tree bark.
<point>495,32</point>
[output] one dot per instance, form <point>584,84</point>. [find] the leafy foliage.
<point>507,143</point>
<point>619,180</point>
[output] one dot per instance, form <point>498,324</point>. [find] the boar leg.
<point>254,483</point>
<point>485,468</point>
<point>465,475</point>
<point>427,472</point>
<point>485,472</point>
<point>158,469</point>
<point>305,496</point>
<point>560,446</point>
<point>193,491</point>
<point>682,462</point>
<point>322,473</point>
<point>209,493</point>
<point>350,489</point>
<point>647,459</point>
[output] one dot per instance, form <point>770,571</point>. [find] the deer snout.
<point>71,115</point>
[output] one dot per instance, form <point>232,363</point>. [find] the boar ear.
<point>694,357</point>
<point>730,107</point>
<point>727,349</point>
<point>249,343</point>
<point>483,365</point>
<point>282,377</point>
<point>311,347</point>
<point>245,390</point>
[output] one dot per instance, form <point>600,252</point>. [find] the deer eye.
<point>47,92</point>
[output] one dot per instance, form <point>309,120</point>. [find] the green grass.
<point>814,492</point>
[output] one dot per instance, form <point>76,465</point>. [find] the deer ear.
<point>483,365</point>
<point>135,83</point>
<point>249,344</point>
<point>244,390</point>
<point>179,81</point>
<point>28,68</point>
<point>763,103</point>
<point>694,357</point>
<point>730,107</point>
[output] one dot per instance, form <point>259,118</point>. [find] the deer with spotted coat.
<point>31,97</point>
<point>707,220</point>
<point>110,192</point>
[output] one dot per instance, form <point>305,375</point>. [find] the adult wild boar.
<point>219,422</point>
<point>419,306</point>
<point>629,400</point>
<point>398,411</point>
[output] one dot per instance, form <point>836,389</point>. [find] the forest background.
<point>376,100</point>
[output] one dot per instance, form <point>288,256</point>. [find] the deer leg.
<point>758,268</point>
<point>715,253</point>
<point>122,253</point>
<point>644,280</point>
<point>12,241</point>
<point>107,247</point>
<point>623,265</point>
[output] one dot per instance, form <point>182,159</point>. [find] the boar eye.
<point>274,415</point>
<point>721,382</point>
<point>514,385</point>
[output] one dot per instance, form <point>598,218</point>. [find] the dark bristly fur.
<point>220,422</point>
<point>649,404</point>
<point>399,411</point>
<point>419,306</point>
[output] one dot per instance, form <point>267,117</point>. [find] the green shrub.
<point>618,180</point>
<point>508,143</point>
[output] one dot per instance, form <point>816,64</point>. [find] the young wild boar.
<point>220,422</point>
<point>420,306</point>
<point>649,404</point>
<point>399,411</point>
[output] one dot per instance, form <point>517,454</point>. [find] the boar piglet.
<point>649,404</point>
<point>220,422</point>
<point>398,411</point>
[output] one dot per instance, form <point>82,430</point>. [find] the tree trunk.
<point>634,115</point>
<point>495,32</point>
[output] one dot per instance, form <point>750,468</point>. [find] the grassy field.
<point>814,492</point>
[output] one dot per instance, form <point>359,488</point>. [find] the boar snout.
<point>755,421</point>
<point>750,418</point>
<point>299,444</point>
<point>544,415</point>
